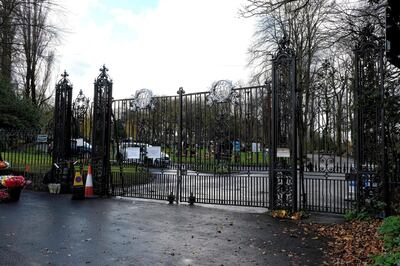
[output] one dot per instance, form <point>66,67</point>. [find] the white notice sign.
<point>255,147</point>
<point>154,152</point>
<point>283,152</point>
<point>41,138</point>
<point>133,153</point>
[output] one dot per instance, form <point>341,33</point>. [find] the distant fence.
<point>28,152</point>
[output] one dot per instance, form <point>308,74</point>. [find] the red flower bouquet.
<point>14,182</point>
<point>14,186</point>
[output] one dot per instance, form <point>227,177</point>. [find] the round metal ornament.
<point>221,92</point>
<point>143,99</point>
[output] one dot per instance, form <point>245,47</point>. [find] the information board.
<point>154,152</point>
<point>133,153</point>
<point>255,147</point>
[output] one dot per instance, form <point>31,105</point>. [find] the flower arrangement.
<point>13,185</point>
<point>13,181</point>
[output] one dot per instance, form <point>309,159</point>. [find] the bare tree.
<point>7,37</point>
<point>27,50</point>
<point>304,23</point>
<point>36,36</point>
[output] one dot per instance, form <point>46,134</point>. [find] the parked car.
<point>78,147</point>
<point>163,161</point>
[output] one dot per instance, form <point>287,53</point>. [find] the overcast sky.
<point>155,44</point>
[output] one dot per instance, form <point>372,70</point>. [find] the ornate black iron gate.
<point>284,123</point>
<point>206,144</point>
<point>239,146</point>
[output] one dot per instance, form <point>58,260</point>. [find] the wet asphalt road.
<point>44,229</point>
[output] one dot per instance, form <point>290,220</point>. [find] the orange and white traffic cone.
<point>89,183</point>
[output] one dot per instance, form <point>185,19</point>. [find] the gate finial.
<point>180,91</point>
<point>284,46</point>
<point>65,74</point>
<point>284,43</point>
<point>104,70</point>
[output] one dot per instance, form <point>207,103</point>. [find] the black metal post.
<point>180,92</point>
<point>358,127</point>
<point>295,121</point>
<point>384,159</point>
<point>273,140</point>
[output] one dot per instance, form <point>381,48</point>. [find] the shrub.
<point>361,215</point>
<point>390,230</point>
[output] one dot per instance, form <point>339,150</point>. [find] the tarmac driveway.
<point>44,229</point>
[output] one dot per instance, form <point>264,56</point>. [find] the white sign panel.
<point>41,138</point>
<point>154,152</point>
<point>133,153</point>
<point>283,152</point>
<point>255,147</point>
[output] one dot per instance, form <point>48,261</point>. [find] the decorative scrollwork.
<point>327,163</point>
<point>222,91</point>
<point>143,129</point>
<point>284,95</point>
<point>284,47</point>
<point>284,131</point>
<point>143,99</point>
<point>369,118</point>
<point>80,106</point>
<point>284,189</point>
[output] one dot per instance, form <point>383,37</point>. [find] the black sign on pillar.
<point>101,138</point>
<point>284,122</point>
<point>62,133</point>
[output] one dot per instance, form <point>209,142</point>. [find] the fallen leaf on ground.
<point>351,243</point>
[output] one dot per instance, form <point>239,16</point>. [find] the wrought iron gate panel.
<point>284,122</point>
<point>328,125</point>
<point>232,136</point>
<point>146,123</point>
<point>81,130</point>
<point>246,122</point>
<point>101,133</point>
<point>372,183</point>
<point>217,142</point>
